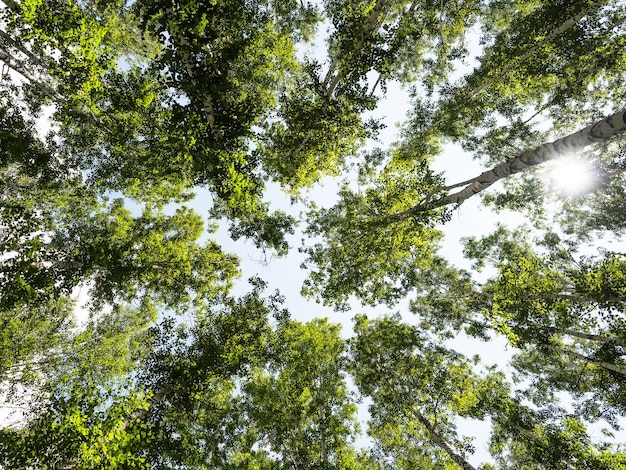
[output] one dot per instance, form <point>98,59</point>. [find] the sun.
<point>572,175</point>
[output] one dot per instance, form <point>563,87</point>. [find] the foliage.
<point>394,245</point>
<point>119,338</point>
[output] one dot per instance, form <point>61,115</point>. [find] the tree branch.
<point>601,131</point>
<point>441,442</point>
<point>374,22</point>
<point>579,334</point>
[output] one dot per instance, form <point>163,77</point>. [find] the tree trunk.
<point>207,103</point>
<point>20,68</point>
<point>9,40</point>
<point>441,442</point>
<point>567,352</point>
<point>592,337</point>
<point>601,131</point>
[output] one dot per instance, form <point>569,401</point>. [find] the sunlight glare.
<point>572,175</point>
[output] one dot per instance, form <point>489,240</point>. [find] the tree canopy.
<point>133,133</point>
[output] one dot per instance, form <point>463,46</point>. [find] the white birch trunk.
<point>17,66</point>
<point>207,103</point>
<point>11,4</point>
<point>592,337</point>
<point>601,131</point>
<point>442,443</point>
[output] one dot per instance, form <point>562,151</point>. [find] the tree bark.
<point>20,68</point>
<point>11,41</point>
<point>12,5</point>
<point>207,103</point>
<point>601,131</point>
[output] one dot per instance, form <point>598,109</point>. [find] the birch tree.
<point>416,389</point>
<point>491,111</point>
<point>564,310</point>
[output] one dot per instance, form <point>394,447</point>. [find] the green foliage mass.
<point>121,344</point>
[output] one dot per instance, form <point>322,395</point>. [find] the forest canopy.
<point>122,342</point>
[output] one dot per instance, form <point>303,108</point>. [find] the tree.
<point>422,198</point>
<point>58,234</point>
<point>125,126</point>
<point>524,438</point>
<point>416,389</point>
<point>299,402</point>
<point>194,412</point>
<point>393,246</point>
<point>563,26</point>
<point>561,311</point>
<point>124,257</point>
<point>75,433</point>
<point>258,97</point>
<point>80,400</point>
<point>230,391</point>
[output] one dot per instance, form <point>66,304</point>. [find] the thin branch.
<point>380,76</point>
<point>567,352</point>
<point>374,23</point>
<point>602,339</point>
<point>439,440</point>
<point>552,35</point>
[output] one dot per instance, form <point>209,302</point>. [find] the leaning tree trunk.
<point>599,338</point>
<point>601,131</point>
<point>603,364</point>
<point>442,443</point>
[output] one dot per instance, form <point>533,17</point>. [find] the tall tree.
<point>549,438</point>
<point>417,390</point>
<point>423,204</point>
<point>78,411</point>
<point>300,403</point>
<point>393,244</point>
<point>562,311</point>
